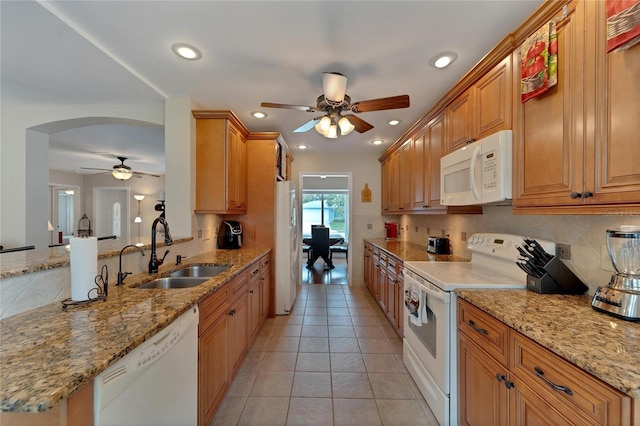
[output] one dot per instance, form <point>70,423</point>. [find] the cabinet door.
<point>483,396</point>
<point>255,313</point>
<point>615,176</point>
<point>382,284</point>
<point>385,173</point>
<point>548,139</point>
<point>460,120</point>
<point>237,166</point>
<point>493,100</point>
<point>400,303</point>
<point>367,266</point>
<point>238,332</point>
<point>528,408</point>
<point>437,144</point>
<point>265,293</point>
<point>420,172</point>
<point>404,172</point>
<point>392,306</point>
<point>393,184</point>
<point>213,368</point>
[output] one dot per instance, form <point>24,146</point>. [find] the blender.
<point>621,297</point>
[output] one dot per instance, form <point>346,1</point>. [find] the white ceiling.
<point>119,52</point>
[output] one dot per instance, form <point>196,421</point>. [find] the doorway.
<point>111,212</point>
<point>326,201</point>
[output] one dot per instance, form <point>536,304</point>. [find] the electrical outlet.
<point>463,236</point>
<point>563,251</point>
<point>199,233</point>
<point>416,229</point>
<point>605,260</point>
<point>369,226</point>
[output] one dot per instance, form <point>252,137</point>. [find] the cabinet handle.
<point>478,329</point>
<point>586,194</point>
<point>574,195</point>
<point>232,312</point>
<point>540,374</point>
<point>470,141</point>
<point>501,377</point>
<point>509,384</point>
<point>251,291</point>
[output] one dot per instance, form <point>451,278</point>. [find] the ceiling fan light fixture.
<point>323,125</point>
<point>345,126</point>
<point>122,173</point>
<point>332,133</point>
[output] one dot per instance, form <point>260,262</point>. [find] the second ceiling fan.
<point>333,102</point>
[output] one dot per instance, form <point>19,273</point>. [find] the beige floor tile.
<point>400,360</point>
<point>374,346</point>
<point>401,412</point>
<point>347,363</point>
<point>310,411</point>
<point>279,361</point>
<point>382,363</point>
<point>267,330</point>
<point>314,344</point>
<point>341,331</point>
<point>388,331</point>
<point>267,411</point>
<point>261,343</point>
<point>316,304</point>
<point>315,320</point>
<point>313,361</point>
<point>391,386</point>
<point>283,344</point>
<point>395,344</point>
<point>339,320</point>
<point>338,312</point>
<point>372,332</point>
<point>351,385</point>
<point>355,412</point>
<point>242,383</point>
<point>252,361</point>
<point>311,385</point>
<point>315,330</point>
<point>272,384</point>
<point>334,295</point>
<point>290,319</point>
<point>229,411</point>
<point>343,344</point>
<point>315,311</point>
<point>290,330</point>
<point>361,312</point>
<point>337,302</point>
<point>365,321</point>
<point>298,309</point>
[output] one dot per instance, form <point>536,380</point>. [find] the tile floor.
<point>335,360</point>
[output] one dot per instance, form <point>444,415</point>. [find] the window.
<point>116,219</point>
<point>328,208</point>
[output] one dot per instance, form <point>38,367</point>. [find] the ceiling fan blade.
<point>93,168</point>
<point>334,86</point>
<point>307,126</point>
<point>140,174</point>
<point>360,125</point>
<point>393,102</point>
<point>288,106</point>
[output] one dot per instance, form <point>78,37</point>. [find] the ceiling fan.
<point>333,102</point>
<point>121,171</point>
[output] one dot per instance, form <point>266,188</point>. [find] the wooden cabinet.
<point>392,293</point>
<point>221,163</point>
<point>213,367</point>
<point>381,272</point>
<point>385,281</point>
<point>576,147</point>
<point>483,109</point>
<point>506,378</point>
<point>238,329</point>
<point>254,301</point>
<point>368,266</point>
<point>265,286</point>
<point>404,177</point>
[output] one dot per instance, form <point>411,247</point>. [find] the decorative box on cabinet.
<point>221,163</point>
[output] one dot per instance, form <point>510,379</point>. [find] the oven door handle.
<point>440,295</point>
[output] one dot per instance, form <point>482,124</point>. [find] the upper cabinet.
<point>482,109</point>
<point>576,147</point>
<point>221,163</point>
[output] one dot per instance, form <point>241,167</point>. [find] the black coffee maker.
<point>230,235</point>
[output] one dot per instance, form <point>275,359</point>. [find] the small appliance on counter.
<point>621,297</point>
<point>230,235</point>
<point>392,230</point>
<point>438,245</point>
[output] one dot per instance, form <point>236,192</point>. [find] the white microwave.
<point>479,173</point>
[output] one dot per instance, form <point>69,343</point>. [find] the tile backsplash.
<point>584,233</point>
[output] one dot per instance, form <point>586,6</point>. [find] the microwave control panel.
<point>489,171</point>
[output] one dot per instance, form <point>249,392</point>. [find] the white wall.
<point>364,168</point>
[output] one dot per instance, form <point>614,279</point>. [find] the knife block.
<point>558,279</point>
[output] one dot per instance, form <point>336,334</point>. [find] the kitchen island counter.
<point>604,346</point>
<point>48,353</point>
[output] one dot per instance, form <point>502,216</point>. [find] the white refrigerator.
<point>287,250</point>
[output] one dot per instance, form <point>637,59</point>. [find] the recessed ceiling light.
<point>377,142</point>
<point>443,59</point>
<point>187,52</point>
<point>259,114</point>
<point>302,146</point>
<point>394,122</point>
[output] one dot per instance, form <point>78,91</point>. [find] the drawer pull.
<point>540,374</point>
<point>501,377</point>
<point>478,329</point>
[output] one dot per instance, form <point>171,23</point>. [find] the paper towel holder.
<point>101,290</point>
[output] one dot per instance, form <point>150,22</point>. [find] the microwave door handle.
<point>472,173</point>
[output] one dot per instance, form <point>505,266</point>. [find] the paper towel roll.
<point>84,267</point>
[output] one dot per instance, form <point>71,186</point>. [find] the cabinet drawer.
<point>265,263</point>
<point>212,307</point>
<point>239,283</point>
<point>486,331</point>
<point>586,398</point>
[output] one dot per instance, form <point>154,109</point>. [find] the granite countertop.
<point>29,261</point>
<point>48,353</point>
<point>600,344</point>
<point>408,251</point>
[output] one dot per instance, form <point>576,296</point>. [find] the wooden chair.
<point>320,247</point>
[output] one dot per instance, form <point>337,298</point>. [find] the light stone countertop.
<point>605,346</point>
<point>48,353</point>
<point>408,251</point>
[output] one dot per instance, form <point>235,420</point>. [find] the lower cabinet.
<point>506,378</point>
<point>229,320</point>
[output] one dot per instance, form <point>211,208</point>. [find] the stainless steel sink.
<point>174,282</point>
<point>200,271</point>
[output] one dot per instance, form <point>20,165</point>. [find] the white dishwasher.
<point>155,384</point>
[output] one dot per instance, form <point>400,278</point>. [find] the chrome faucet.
<point>123,275</point>
<point>154,262</point>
